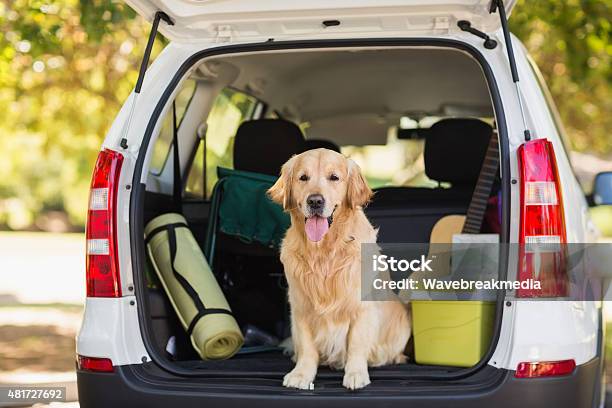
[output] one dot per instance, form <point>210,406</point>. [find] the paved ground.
<point>43,268</point>
<point>46,272</point>
<point>37,346</point>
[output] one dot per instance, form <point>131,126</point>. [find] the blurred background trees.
<point>67,65</point>
<point>570,42</point>
<point>65,69</point>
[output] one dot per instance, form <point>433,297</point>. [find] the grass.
<point>38,338</point>
<point>602,217</point>
<point>36,348</point>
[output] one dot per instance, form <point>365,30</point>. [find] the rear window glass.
<point>399,162</point>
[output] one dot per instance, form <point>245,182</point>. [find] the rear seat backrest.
<point>454,152</point>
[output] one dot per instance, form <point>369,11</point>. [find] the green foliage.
<point>602,217</point>
<point>65,69</point>
<point>101,17</point>
<point>67,65</point>
<point>570,42</point>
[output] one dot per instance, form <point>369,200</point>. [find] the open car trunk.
<point>378,104</point>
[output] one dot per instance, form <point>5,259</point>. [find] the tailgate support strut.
<point>160,15</point>
<point>498,5</point>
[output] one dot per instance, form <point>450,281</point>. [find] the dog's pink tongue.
<point>316,227</point>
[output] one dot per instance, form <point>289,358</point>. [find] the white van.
<point>246,84</point>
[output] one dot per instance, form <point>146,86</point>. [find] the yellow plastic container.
<point>452,333</point>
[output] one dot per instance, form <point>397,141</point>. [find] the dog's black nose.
<point>315,201</point>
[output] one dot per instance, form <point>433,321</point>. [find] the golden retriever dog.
<point>324,192</point>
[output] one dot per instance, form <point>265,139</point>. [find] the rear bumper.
<point>129,385</point>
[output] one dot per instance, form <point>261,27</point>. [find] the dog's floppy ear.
<point>280,192</point>
<point>358,192</point>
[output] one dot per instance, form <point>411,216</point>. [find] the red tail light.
<point>102,261</point>
<point>545,369</point>
<point>542,225</point>
<point>104,365</point>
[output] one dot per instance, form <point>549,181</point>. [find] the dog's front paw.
<point>298,379</point>
<point>356,379</point>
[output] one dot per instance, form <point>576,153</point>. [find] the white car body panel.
<point>531,331</point>
<point>545,330</point>
<point>244,20</point>
<point>110,329</point>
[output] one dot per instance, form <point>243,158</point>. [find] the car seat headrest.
<point>455,150</point>
<point>264,145</point>
<point>321,144</point>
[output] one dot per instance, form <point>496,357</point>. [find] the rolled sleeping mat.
<point>192,288</point>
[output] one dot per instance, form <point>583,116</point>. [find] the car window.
<point>398,162</point>
<point>164,141</point>
<point>229,110</point>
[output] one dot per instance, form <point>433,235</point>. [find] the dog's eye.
<point>304,177</point>
<point>333,177</point>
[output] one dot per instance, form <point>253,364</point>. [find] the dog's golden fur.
<point>330,323</point>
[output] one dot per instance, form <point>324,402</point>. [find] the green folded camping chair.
<point>240,207</point>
